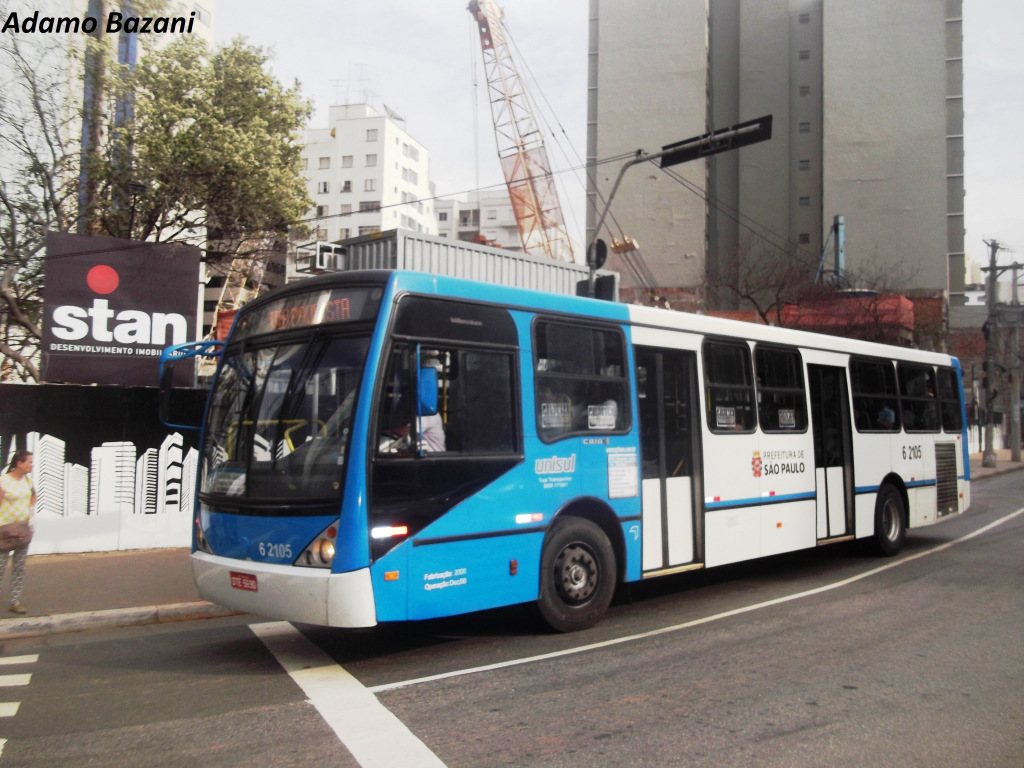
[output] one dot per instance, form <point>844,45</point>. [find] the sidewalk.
<point>95,590</point>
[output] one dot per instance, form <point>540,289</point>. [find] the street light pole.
<point>722,140</point>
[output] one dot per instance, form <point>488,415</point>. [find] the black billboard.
<point>112,306</point>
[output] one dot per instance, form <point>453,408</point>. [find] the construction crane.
<point>242,283</point>
<point>531,187</point>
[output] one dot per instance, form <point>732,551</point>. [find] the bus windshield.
<point>280,418</point>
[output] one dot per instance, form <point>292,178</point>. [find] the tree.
<point>211,143</point>
<point>38,190</point>
<point>196,147</point>
<point>864,303</point>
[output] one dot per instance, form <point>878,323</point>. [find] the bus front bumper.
<point>286,592</point>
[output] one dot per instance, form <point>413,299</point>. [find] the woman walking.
<point>17,501</point>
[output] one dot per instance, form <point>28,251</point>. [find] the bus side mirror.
<point>180,353</point>
<point>426,397</point>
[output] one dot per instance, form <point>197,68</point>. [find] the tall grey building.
<point>867,109</point>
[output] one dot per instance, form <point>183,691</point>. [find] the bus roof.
<point>630,314</point>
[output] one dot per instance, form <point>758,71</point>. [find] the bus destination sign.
<point>338,305</point>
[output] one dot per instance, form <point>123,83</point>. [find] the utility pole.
<point>988,458</point>
<point>1015,373</point>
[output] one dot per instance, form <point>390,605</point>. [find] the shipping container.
<point>407,250</point>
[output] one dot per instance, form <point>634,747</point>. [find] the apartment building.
<point>486,218</point>
<point>867,105</point>
<point>366,174</point>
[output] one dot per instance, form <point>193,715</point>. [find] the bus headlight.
<point>326,547</point>
<point>320,553</point>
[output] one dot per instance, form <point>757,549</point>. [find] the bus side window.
<point>918,401</point>
<point>781,400</point>
<point>730,386</point>
<point>580,380</point>
<point>949,401</point>
<point>474,407</point>
<point>875,401</point>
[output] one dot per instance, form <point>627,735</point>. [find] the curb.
<point>994,472</point>
<point>11,629</point>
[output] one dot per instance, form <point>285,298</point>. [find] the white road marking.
<point>10,660</point>
<point>696,622</point>
<point>372,733</point>
<point>10,708</point>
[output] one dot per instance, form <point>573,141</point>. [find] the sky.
<point>422,58</point>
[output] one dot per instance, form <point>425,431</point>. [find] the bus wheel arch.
<point>891,518</point>
<point>579,571</point>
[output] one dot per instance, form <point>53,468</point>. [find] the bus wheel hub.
<point>578,571</point>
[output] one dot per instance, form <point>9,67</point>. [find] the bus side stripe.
<point>426,542</point>
<point>760,501</point>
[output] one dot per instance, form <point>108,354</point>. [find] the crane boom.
<point>531,187</point>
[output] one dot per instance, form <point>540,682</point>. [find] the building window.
<point>322,187</point>
<point>304,164</point>
<point>442,216</point>
<point>805,18</point>
<point>371,134</point>
<point>370,185</point>
<point>410,175</point>
<point>202,14</point>
<point>369,230</point>
<point>805,127</point>
<point>321,210</point>
<point>805,202</point>
<point>805,90</point>
<point>805,165</point>
<point>805,55</point>
<point>346,161</point>
<point>492,215</point>
<point>805,238</point>
<point>346,208</point>
<point>369,205</point>
<point>371,160</point>
<point>344,233</point>
<point>346,186</point>
<point>325,163</point>
<point>321,233</point>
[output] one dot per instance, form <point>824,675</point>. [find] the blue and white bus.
<point>392,446</point>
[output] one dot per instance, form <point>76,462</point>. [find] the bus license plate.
<point>244,581</point>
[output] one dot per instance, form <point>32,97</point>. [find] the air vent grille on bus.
<point>945,474</point>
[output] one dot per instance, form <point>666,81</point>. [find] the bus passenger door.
<point>670,457</point>
<point>833,450</point>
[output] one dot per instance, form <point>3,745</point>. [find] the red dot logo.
<point>102,279</point>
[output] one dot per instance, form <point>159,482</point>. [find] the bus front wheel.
<point>890,522</point>
<point>577,577</point>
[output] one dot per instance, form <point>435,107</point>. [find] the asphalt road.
<point>822,658</point>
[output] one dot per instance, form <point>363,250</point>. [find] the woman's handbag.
<point>14,535</point>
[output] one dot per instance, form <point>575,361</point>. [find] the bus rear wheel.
<point>890,522</point>
<point>577,579</point>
